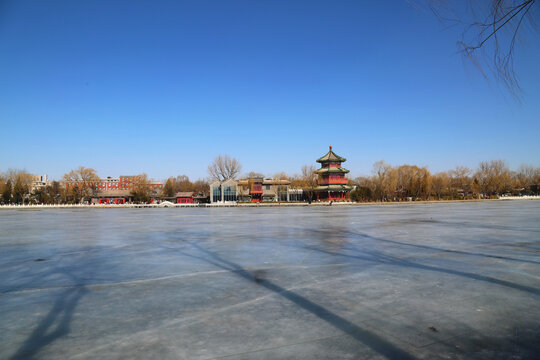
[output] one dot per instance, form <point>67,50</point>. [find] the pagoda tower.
<point>332,183</point>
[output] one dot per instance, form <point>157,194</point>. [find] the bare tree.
<point>492,26</point>
<point>492,177</point>
<point>364,190</point>
<point>439,184</point>
<point>80,183</point>
<point>482,178</point>
<point>223,168</point>
<point>141,188</point>
<point>460,180</point>
<point>169,187</point>
<point>49,194</point>
<point>183,183</point>
<point>281,176</point>
<point>502,180</point>
<point>201,188</point>
<point>20,181</point>
<point>413,181</point>
<point>385,179</point>
<point>309,180</point>
<point>5,189</point>
<point>525,177</point>
<point>535,187</point>
<point>254,175</point>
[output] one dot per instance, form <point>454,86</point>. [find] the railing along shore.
<point>240,204</point>
<point>169,205</point>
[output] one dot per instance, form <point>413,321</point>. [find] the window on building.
<point>229,193</point>
<point>216,193</point>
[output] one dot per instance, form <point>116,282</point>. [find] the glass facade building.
<point>249,190</point>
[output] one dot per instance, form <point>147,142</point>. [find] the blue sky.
<point>131,87</point>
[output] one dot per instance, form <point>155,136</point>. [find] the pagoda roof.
<point>332,170</point>
<point>333,188</point>
<point>331,156</point>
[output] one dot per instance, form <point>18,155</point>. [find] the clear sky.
<point>164,87</point>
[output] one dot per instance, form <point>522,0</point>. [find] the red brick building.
<point>123,183</point>
<point>110,183</point>
<point>113,190</point>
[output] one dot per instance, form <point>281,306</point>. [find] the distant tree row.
<point>387,183</point>
<point>18,187</point>
<point>181,183</point>
<point>14,186</point>
<point>410,182</point>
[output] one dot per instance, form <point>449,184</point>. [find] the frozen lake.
<point>452,280</point>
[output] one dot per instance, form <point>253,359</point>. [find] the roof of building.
<point>335,170</point>
<point>112,193</point>
<point>331,156</point>
<point>245,182</point>
<point>224,182</point>
<point>333,188</point>
<point>184,194</point>
<point>276,182</point>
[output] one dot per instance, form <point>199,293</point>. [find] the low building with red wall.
<point>111,197</point>
<point>185,197</point>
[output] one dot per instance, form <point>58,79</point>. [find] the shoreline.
<point>258,205</point>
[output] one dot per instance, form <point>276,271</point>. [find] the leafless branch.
<point>224,167</point>
<point>492,26</point>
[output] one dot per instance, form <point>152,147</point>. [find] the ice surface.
<point>452,280</point>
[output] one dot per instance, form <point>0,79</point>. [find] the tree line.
<point>181,183</point>
<point>410,182</point>
<point>19,187</point>
<point>386,183</point>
